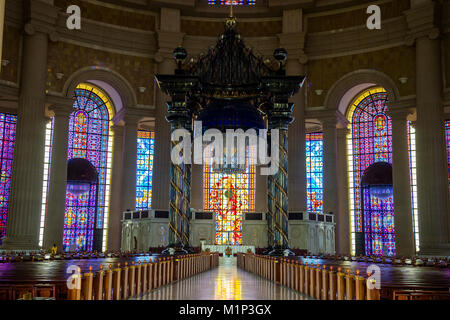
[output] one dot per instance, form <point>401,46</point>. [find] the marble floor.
<point>224,283</point>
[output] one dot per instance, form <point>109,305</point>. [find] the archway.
<point>377,204</point>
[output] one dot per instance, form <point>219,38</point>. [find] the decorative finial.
<point>231,20</point>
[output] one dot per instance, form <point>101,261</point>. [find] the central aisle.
<point>224,283</point>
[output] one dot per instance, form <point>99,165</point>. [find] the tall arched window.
<point>369,142</point>
<point>90,138</point>
<point>447,139</point>
<point>144,174</point>
<point>229,196</point>
<point>7,140</point>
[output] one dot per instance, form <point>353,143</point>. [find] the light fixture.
<point>5,63</point>
<point>403,80</point>
<point>142,89</point>
<point>59,75</point>
<point>319,92</point>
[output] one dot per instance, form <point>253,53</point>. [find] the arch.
<point>113,83</point>
<point>344,91</point>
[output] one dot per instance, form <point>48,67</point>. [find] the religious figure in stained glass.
<point>90,138</point>
<point>7,140</point>
<point>229,196</point>
<point>314,172</point>
<point>370,141</point>
<point>144,173</point>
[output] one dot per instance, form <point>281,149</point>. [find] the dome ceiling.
<point>262,9</point>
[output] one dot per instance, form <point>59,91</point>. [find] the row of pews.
<point>21,256</point>
<point>412,261</point>
<point>315,281</point>
<point>118,281</point>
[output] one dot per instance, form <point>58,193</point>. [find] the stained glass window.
<point>7,140</point>
<point>413,175</point>
<point>229,196</point>
<point>314,172</point>
<point>370,141</point>
<point>232,2</point>
<point>145,151</point>
<point>447,138</point>
<point>90,138</point>
<point>47,163</point>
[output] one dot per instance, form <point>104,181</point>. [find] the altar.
<point>222,248</point>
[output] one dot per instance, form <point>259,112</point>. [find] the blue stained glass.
<point>144,169</point>
<point>314,172</point>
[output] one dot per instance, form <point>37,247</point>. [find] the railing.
<point>318,282</point>
<point>135,280</point>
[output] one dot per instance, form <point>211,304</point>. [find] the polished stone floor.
<point>224,283</point>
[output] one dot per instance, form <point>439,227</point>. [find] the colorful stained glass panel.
<point>89,138</point>
<point>229,196</point>
<point>314,172</point>
<point>144,169</point>
<point>7,140</point>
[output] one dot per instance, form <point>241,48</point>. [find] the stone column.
<point>26,185</point>
<point>342,217</point>
<point>330,195</point>
<point>129,163</point>
<point>293,40</point>
<point>404,236</point>
<point>54,224</point>
<point>169,37</point>
<point>431,148</point>
<point>115,216</point>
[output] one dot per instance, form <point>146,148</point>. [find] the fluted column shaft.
<point>129,163</point>
<point>54,225</point>
<point>330,200</point>
<point>404,237</point>
<point>26,185</point>
<point>342,217</point>
<point>297,145</point>
<point>431,152</point>
<point>161,164</point>
<point>114,222</point>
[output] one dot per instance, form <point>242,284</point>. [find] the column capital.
<point>294,43</point>
<point>400,110</point>
<point>117,129</point>
<point>41,17</point>
<point>60,106</point>
<point>167,42</point>
<point>130,115</point>
<point>422,22</point>
<point>329,118</point>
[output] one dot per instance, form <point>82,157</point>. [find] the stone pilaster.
<point>115,216</point>
<point>169,37</point>
<point>293,40</point>
<point>54,224</point>
<point>403,220</point>
<point>26,185</point>
<point>431,149</point>
<point>342,217</point>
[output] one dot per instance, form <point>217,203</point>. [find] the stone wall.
<point>67,58</point>
<point>395,62</point>
<point>11,51</point>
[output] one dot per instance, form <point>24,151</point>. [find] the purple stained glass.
<point>372,142</point>
<point>88,139</point>
<point>7,140</point>
<point>447,139</point>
